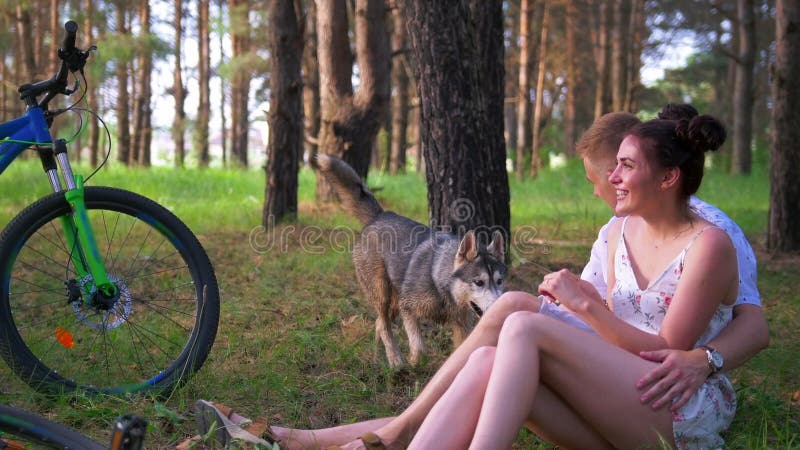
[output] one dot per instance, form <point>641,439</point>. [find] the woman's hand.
<point>569,290</point>
<point>675,380</point>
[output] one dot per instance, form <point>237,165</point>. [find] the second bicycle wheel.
<point>150,338</point>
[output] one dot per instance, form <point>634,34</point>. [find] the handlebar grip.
<point>69,39</point>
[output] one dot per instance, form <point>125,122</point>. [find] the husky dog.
<point>405,268</point>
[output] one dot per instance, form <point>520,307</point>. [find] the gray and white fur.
<point>404,268</point>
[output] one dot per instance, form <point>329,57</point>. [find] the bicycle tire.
<point>27,428</point>
<point>155,335</point>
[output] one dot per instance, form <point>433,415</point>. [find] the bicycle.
<point>103,290</point>
<point>20,430</point>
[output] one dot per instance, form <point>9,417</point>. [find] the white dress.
<point>697,425</point>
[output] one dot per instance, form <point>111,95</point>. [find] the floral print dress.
<point>697,425</point>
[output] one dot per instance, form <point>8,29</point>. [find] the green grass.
<point>295,342</point>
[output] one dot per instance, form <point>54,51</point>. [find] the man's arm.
<point>681,373</point>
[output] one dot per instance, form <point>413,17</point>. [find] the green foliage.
<point>295,342</point>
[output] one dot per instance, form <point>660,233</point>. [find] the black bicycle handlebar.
<point>72,60</point>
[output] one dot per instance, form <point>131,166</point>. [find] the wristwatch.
<point>715,360</point>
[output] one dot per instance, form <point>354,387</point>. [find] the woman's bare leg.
<point>401,430</point>
<point>294,439</point>
<point>452,419</point>
<point>592,376</point>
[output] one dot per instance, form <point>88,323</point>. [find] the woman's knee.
<point>509,303</point>
<point>523,323</point>
<point>480,361</point>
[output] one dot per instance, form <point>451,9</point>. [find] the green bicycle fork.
<point>79,236</point>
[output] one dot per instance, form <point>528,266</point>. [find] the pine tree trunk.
<point>602,55</point>
<point>783,234</point>
<point>743,90</point>
<point>240,82</point>
<point>572,77</point>
<point>91,89</point>
<point>204,80</point>
<point>285,113</point>
<point>142,130</point>
<point>123,100</point>
<point>619,54</point>
<point>179,118</point>
<point>400,84</point>
<point>460,127</point>
<point>538,113</point>
<point>350,120</point>
<point>311,82</point>
<point>528,43</point>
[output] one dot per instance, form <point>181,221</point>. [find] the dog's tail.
<point>356,198</point>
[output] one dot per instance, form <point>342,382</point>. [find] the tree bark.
<point>91,89</point>
<point>204,81</point>
<point>178,91</point>
<point>619,54</point>
<point>600,45</point>
<point>142,131</point>
<point>238,11</point>
<point>123,99</point>
<point>527,51</point>
<point>573,77</point>
<point>783,234</point>
<point>285,113</point>
<point>400,99</point>
<point>538,116</point>
<point>311,87</point>
<point>350,120</point>
<point>461,139</point>
<point>743,90</point>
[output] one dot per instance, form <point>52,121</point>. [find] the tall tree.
<point>573,76</point>
<point>178,90</point>
<point>123,98</point>
<point>458,134</point>
<point>285,112</point>
<point>783,234</point>
<point>92,88</point>
<point>311,88</point>
<point>238,11</point>
<point>143,132</point>
<point>619,53</point>
<point>528,44</point>
<point>400,86</point>
<point>204,81</point>
<point>743,89</point>
<point>538,109</point>
<point>350,120</point>
<point>600,19</point>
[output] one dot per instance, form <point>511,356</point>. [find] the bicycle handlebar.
<point>72,60</point>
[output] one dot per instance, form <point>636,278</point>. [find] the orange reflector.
<point>65,337</point>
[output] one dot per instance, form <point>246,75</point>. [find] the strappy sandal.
<point>371,442</point>
<point>220,420</point>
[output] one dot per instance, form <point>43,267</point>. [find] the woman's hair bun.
<point>701,133</point>
<point>677,111</point>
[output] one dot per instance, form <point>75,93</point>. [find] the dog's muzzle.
<point>476,309</point>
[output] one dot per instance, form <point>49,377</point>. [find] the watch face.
<point>716,359</point>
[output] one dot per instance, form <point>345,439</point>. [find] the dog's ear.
<point>497,247</point>
<point>468,249</point>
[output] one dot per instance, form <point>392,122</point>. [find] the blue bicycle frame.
<point>19,134</point>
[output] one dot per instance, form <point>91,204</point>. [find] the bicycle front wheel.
<point>155,333</point>
<point>21,429</point>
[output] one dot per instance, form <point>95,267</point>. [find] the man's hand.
<point>675,380</point>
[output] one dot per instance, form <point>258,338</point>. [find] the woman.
<point>672,283</point>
